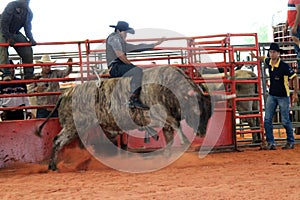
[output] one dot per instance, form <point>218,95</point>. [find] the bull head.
<point>198,119</point>
<point>200,112</point>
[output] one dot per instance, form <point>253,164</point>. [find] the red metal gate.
<point>190,58</point>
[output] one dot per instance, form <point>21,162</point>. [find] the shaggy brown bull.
<point>248,107</point>
<point>171,95</point>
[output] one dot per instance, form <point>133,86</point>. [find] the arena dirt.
<point>250,174</point>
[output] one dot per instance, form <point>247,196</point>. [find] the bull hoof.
<point>146,140</point>
<point>151,132</point>
<point>155,137</point>
<point>52,167</point>
<point>186,142</point>
<point>256,141</point>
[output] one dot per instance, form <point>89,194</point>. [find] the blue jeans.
<point>121,69</point>
<point>296,47</point>
<point>284,106</point>
<point>25,52</point>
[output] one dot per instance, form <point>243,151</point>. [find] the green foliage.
<point>262,31</point>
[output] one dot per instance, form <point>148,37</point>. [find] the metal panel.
<point>19,143</point>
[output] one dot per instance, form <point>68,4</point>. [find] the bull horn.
<point>221,97</point>
<point>230,96</point>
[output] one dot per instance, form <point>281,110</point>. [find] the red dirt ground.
<point>251,174</point>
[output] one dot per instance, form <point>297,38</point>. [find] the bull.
<point>242,90</point>
<point>171,95</point>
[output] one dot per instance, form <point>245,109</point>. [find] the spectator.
<point>296,41</point>
<point>14,88</point>
<point>118,63</point>
<point>47,72</point>
<point>293,22</point>
<point>15,16</point>
<point>280,72</point>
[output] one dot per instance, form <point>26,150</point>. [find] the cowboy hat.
<point>275,47</point>
<point>123,26</point>
<point>45,59</point>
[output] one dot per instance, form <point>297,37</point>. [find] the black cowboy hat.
<point>274,46</point>
<point>123,26</point>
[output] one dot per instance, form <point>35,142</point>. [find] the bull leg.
<point>168,132</point>
<point>150,132</point>
<point>183,139</point>
<point>123,144</point>
<point>147,137</point>
<point>247,106</point>
<point>256,138</point>
<point>59,141</point>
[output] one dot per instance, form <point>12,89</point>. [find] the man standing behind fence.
<point>15,16</point>
<point>52,86</point>
<point>14,88</point>
<point>279,95</point>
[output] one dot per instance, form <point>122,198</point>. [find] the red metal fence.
<point>213,51</point>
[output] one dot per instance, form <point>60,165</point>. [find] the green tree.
<point>262,31</point>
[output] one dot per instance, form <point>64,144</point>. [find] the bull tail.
<point>39,130</point>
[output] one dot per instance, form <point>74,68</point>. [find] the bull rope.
<point>98,83</point>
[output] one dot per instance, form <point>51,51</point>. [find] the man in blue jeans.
<point>279,95</point>
<point>15,16</point>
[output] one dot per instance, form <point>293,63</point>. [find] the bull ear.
<point>202,88</point>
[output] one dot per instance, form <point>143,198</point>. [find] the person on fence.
<point>47,72</point>
<point>14,88</point>
<point>292,23</point>
<point>15,16</point>
<point>279,95</point>
<point>118,63</point>
<point>296,41</point>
